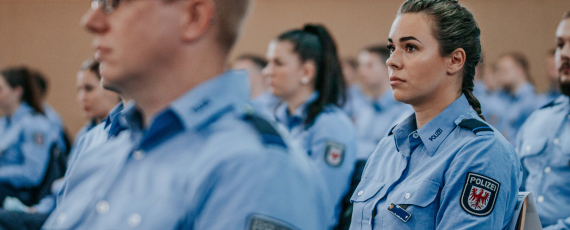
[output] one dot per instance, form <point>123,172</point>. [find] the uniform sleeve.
<point>34,147</point>
<point>333,151</point>
<point>481,187</point>
<point>518,146</point>
<point>259,191</point>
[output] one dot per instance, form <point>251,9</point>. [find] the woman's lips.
<point>396,81</point>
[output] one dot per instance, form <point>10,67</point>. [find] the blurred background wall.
<point>46,35</point>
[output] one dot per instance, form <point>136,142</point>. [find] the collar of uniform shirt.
<point>21,112</point>
<point>113,113</point>
<point>435,131</point>
<point>200,106</point>
<point>283,115</point>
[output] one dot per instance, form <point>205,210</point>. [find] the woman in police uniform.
<point>26,134</point>
<point>305,72</point>
<point>96,102</point>
<point>443,167</point>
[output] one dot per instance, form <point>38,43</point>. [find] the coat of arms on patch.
<point>479,194</point>
<point>334,153</point>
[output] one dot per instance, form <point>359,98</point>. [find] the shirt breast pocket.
<point>366,190</point>
<point>420,200</point>
<point>530,149</point>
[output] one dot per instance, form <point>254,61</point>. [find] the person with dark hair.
<point>517,93</point>
<point>380,111</point>
<point>543,146</point>
<point>305,72</point>
<point>49,111</point>
<point>443,167</point>
<point>26,135</point>
<point>96,102</point>
<point>195,155</point>
<point>261,97</point>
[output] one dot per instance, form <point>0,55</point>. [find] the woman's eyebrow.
<point>403,39</point>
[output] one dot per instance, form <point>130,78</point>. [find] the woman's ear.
<point>309,70</point>
<point>456,61</point>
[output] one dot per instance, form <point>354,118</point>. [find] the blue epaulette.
<point>268,134</point>
<point>475,125</point>
<point>390,133</point>
<point>552,103</point>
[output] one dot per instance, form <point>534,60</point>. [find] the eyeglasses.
<point>108,5</point>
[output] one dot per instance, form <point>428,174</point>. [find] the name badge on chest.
<point>399,212</point>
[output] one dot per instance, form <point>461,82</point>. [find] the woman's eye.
<point>391,48</point>
<point>411,48</point>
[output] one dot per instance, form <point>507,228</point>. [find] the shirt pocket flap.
<point>531,147</point>
<point>419,194</point>
<point>366,189</point>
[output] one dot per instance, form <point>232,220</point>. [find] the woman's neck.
<point>11,109</point>
<point>433,106</point>
<point>296,100</point>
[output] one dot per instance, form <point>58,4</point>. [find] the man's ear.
<point>456,61</point>
<point>198,18</point>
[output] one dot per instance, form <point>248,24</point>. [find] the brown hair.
<point>24,78</point>
<point>91,65</point>
<point>230,15</point>
<point>566,15</point>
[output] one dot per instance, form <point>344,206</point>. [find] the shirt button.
<point>540,199</point>
<point>102,207</point>
<point>134,220</point>
<point>360,193</point>
<point>138,155</point>
<point>547,170</point>
<point>407,196</point>
<point>61,218</point>
<point>415,135</point>
<point>528,148</point>
<point>556,141</point>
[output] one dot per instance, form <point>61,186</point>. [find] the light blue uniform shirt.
<point>266,101</point>
<point>442,176</point>
<point>25,141</point>
<point>516,109</point>
<point>355,99</point>
<point>48,203</point>
<point>199,165</point>
<point>330,143</point>
<point>374,120</point>
<point>544,148</point>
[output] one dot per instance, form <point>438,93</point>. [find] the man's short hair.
<point>380,50</point>
<point>566,15</point>
<point>259,61</point>
<point>230,15</point>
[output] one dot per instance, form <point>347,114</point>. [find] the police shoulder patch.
<point>479,194</point>
<point>334,153</point>
<point>38,138</point>
<point>259,222</point>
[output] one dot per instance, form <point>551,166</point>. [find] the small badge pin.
<point>334,153</point>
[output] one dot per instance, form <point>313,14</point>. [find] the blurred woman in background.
<point>305,72</point>
<point>95,101</point>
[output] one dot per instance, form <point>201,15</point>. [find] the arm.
<point>253,187</point>
<point>484,159</point>
<point>35,148</point>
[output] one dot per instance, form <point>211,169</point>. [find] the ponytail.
<point>24,78</point>
<point>315,43</point>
